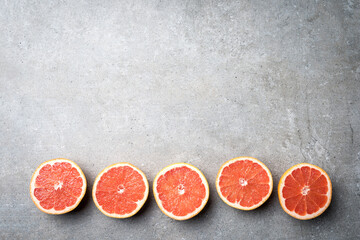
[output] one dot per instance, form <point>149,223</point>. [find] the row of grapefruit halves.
<point>181,191</point>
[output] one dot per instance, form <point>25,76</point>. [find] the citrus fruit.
<point>57,186</point>
<point>244,183</point>
<point>304,191</point>
<point>120,190</point>
<point>181,191</point>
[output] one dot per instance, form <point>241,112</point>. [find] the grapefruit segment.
<point>244,183</point>
<point>57,186</point>
<point>181,191</point>
<point>120,190</point>
<point>305,191</point>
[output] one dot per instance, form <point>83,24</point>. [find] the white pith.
<point>244,183</point>
<point>139,203</point>
<point>282,199</point>
<point>58,185</point>
<point>197,210</point>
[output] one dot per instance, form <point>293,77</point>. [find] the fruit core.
<point>305,190</point>
<point>121,189</point>
<point>58,185</point>
<point>243,182</point>
<point>181,189</point>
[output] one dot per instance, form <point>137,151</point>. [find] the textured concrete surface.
<point>158,82</point>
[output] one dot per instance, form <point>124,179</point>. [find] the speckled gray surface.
<point>158,82</point>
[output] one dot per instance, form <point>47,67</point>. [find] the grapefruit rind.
<point>53,211</point>
<point>139,203</point>
<point>237,205</point>
<point>196,211</point>
<point>282,199</point>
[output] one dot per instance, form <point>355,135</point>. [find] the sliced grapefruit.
<point>244,183</point>
<point>181,191</point>
<point>120,190</point>
<point>305,191</point>
<point>57,186</point>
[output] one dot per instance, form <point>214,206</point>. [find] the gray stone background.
<point>159,82</point>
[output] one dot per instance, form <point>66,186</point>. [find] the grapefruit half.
<point>305,191</point>
<point>57,186</point>
<point>181,191</point>
<point>244,183</point>
<point>120,190</point>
